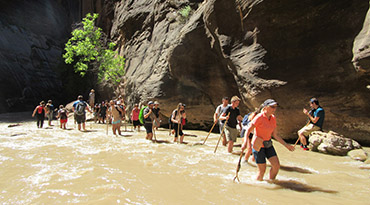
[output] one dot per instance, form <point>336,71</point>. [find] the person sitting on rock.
<point>316,118</point>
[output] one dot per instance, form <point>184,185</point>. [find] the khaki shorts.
<point>231,133</point>
<point>308,129</point>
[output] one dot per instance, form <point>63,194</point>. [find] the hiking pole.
<point>210,131</point>
<point>298,135</point>
<point>238,167</point>
<point>153,129</point>
<point>221,133</point>
<point>107,124</point>
<point>178,131</point>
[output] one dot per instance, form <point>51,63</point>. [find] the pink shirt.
<point>135,114</point>
<point>264,126</point>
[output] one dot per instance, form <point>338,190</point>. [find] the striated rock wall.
<point>286,50</point>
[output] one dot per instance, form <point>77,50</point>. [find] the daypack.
<point>141,115</point>
<point>80,108</point>
<point>246,120</point>
<point>183,121</point>
<point>40,110</point>
<point>63,114</point>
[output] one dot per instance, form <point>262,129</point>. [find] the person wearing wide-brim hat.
<point>264,126</point>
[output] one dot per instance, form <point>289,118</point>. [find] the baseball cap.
<point>269,102</point>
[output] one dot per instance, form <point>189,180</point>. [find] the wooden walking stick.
<point>221,133</point>
<point>238,167</point>
<point>153,129</point>
<point>178,131</point>
<point>210,131</point>
<point>107,124</point>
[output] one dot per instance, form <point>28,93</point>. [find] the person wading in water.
<point>178,115</point>
<point>264,126</point>
<point>40,114</point>
<point>219,110</point>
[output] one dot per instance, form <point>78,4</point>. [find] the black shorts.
<point>263,154</point>
<point>175,125</point>
<point>148,127</point>
<point>136,123</point>
<point>80,118</point>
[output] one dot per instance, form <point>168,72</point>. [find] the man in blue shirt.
<point>316,120</point>
<point>79,112</point>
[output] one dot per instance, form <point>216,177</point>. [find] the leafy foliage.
<point>185,11</point>
<point>89,51</point>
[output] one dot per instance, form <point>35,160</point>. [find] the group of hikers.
<point>256,128</point>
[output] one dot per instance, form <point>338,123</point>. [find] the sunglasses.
<point>273,107</point>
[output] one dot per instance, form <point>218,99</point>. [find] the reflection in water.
<point>298,186</point>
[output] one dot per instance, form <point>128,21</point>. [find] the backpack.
<point>246,120</point>
<point>80,108</point>
<point>141,115</point>
<point>63,114</point>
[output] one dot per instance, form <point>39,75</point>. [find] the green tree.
<point>89,51</point>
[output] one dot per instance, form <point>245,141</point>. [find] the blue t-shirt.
<point>319,112</point>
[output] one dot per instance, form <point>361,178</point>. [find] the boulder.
<point>358,154</point>
<point>332,143</point>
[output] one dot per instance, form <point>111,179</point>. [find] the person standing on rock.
<point>219,110</point>
<point>49,111</point>
<point>264,126</point>
<point>177,117</point>
<point>79,108</point>
<point>40,114</point>
<point>233,117</point>
<point>114,113</point>
<point>316,118</point>
<point>148,120</point>
<point>92,98</point>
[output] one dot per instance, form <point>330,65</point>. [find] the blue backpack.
<point>246,120</point>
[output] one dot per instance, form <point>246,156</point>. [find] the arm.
<point>173,118</point>
<point>240,119</point>
<point>279,139</point>
<point>247,133</point>
<point>312,119</point>
<point>148,114</point>
<point>224,117</point>
<point>34,112</point>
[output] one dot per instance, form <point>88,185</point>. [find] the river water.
<point>51,165</point>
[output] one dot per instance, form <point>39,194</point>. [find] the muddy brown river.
<point>54,166</point>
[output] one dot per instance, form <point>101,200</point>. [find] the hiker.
<point>219,110</point>
<point>316,118</point>
<point>135,117</point>
<point>92,98</point>
<point>79,108</point>
<point>96,112</point>
<point>49,111</point>
<point>231,132</point>
<point>178,118</point>
<point>40,114</point>
<point>245,125</point>
<point>114,113</point>
<point>123,108</point>
<point>264,126</point>
<point>156,110</point>
<point>63,116</point>
<point>148,120</point>
<point>102,112</point>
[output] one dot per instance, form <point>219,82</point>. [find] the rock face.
<point>332,143</point>
<point>287,50</point>
<point>32,38</point>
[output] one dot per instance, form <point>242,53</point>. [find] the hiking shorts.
<point>136,123</point>
<point>50,116</point>
<point>80,118</point>
<point>148,128</point>
<point>231,133</point>
<point>179,129</point>
<point>308,129</point>
<point>63,121</point>
<point>263,154</point>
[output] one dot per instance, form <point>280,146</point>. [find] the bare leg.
<point>302,138</point>
<point>79,126</point>
<point>275,166</point>
<point>249,149</point>
<point>261,171</point>
<point>182,139</point>
<point>230,146</point>
<point>224,142</point>
<point>84,126</point>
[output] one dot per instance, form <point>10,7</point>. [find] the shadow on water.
<point>162,141</point>
<point>17,134</point>
<point>298,186</point>
<point>288,168</point>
